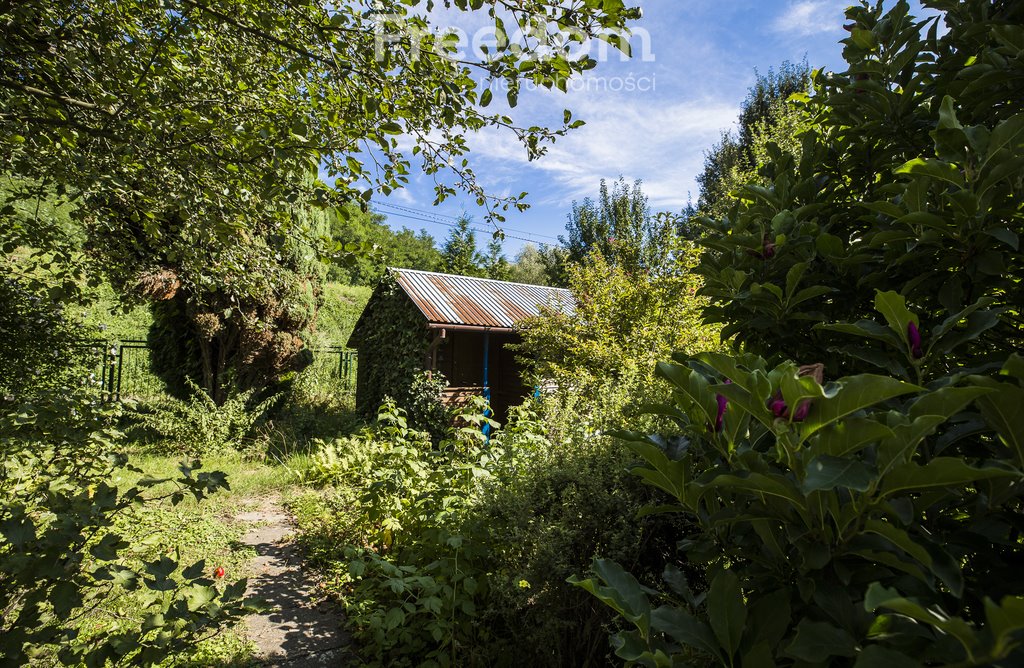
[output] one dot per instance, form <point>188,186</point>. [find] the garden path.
<point>300,630</point>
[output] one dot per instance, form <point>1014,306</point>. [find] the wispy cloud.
<point>804,18</point>
<point>662,144</point>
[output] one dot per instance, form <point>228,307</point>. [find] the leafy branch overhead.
<point>184,111</point>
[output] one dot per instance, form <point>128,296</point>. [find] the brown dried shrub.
<point>160,284</point>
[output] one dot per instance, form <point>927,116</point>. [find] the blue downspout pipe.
<point>487,381</point>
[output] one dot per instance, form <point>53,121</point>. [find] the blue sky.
<point>701,60</point>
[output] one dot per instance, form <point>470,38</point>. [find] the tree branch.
<point>70,101</point>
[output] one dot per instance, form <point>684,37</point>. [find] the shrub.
<point>874,519</point>
<point>60,556</point>
<point>459,553</point>
<point>601,356</point>
<point>39,349</point>
<point>197,426</point>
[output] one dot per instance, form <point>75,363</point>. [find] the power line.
<point>475,229</point>
<point>440,216</point>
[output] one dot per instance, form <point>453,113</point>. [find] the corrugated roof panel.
<point>446,299</point>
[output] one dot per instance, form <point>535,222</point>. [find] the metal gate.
<point>123,369</point>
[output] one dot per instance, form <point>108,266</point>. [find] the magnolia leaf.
<point>726,611</point>
<point>816,642</point>
<point>939,472</point>
<point>848,436</point>
<point>685,629</point>
<point>893,306</point>
<point>622,593</point>
<point>1002,409</point>
<point>827,473</point>
<point>879,596</point>
<point>852,394</point>
<point>935,169</point>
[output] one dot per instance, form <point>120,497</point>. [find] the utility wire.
<point>440,216</point>
<point>475,229</point>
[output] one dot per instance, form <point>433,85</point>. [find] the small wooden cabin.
<point>458,326</point>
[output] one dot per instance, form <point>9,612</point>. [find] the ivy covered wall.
<point>392,340</point>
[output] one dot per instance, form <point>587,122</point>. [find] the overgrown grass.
<point>205,530</point>
<point>343,304</point>
<point>106,318</point>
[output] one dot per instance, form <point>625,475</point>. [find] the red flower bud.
<point>723,405</point>
<point>914,337</point>
<point>778,406</point>
<point>219,573</point>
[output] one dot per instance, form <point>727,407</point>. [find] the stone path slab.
<point>301,630</point>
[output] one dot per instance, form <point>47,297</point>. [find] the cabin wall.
<point>392,341</point>
<point>461,359</point>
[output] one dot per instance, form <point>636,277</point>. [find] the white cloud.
<point>661,143</point>
<point>804,18</point>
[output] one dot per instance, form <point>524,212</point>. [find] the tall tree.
<point>495,264</point>
<point>765,116</point>
<point>185,123</point>
<point>620,227</point>
<point>529,267</point>
<point>184,130</point>
<point>382,246</point>
<point>459,254</point>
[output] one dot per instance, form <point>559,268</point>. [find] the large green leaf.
<point>878,597</point>
<point>1002,409</point>
<point>726,611</point>
<point>900,539</point>
<point>817,642</point>
<point>666,474</point>
<point>852,394</point>
<point>939,472</point>
<point>621,592</point>
<point>893,306</point>
<point>692,385</point>
<point>935,169</point>
<point>772,485</point>
<point>1005,622</point>
<point>848,436</point>
<point>1008,135</point>
<point>827,473</point>
<point>685,629</point>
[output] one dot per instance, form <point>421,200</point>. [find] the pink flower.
<point>780,408</point>
<point>723,405</point>
<point>801,411</point>
<point>914,336</point>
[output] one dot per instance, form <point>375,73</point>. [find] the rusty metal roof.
<point>446,299</point>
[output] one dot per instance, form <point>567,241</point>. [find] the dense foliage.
<point>60,558</point>
<point>38,344</point>
<point>392,344</point>
<point>620,227</point>
<point>457,553</point>
<point>180,125</point>
<point>384,247</point>
<point>601,356</point>
<point>459,254</point>
<point>765,117</point>
<point>863,508</point>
